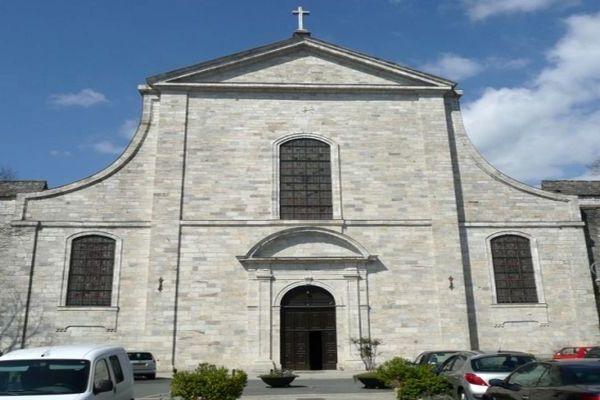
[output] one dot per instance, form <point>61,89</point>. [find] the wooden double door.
<point>308,330</point>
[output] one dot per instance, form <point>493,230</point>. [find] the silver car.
<point>469,372</point>
<point>143,363</point>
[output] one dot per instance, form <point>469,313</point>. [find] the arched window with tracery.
<point>305,180</point>
<point>513,270</point>
<point>91,271</point>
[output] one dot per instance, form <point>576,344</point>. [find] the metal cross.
<point>300,13</point>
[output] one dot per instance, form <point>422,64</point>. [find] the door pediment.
<point>306,244</point>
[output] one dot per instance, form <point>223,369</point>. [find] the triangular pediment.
<point>300,61</point>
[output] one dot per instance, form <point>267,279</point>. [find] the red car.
<point>571,352</point>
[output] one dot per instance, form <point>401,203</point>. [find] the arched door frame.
<point>271,276</point>
<point>308,331</point>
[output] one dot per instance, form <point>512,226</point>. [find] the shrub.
<point>424,383</point>
<point>209,382</point>
<point>367,348</point>
<point>395,370</point>
<point>412,381</point>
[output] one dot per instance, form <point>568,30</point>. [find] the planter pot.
<point>371,382</point>
<point>278,381</point>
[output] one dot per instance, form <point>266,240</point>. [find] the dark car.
<point>545,380</point>
<point>434,358</point>
<point>593,352</point>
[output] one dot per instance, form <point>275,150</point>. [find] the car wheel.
<point>151,376</point>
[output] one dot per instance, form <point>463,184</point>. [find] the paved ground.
<point>310,385</point>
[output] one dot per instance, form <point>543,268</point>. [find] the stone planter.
<point>370,381</point>
<point>278,381</point>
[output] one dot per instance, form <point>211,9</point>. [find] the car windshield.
<point>140,356</point>
<point>440,356</point>
<point>43,377</point>
<point>499,363</point>
<point>581,374</point>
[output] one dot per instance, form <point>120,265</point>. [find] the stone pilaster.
<point>447,248</point>
<point>161,319</point>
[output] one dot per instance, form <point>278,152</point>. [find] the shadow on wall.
<point>12,319</point>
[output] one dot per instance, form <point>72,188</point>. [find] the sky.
<point>530,70</point>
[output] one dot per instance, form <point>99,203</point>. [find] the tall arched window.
<point>305,180</point>
<point>513,270</point>
<point>91,271</point>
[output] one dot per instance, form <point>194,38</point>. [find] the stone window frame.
<point>336,197</point>
<point>535,259</point>
<point>116,271</point>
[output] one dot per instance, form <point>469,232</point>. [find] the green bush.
<point>209,382</point>
<point>395,370</point>
<point>412,381</point>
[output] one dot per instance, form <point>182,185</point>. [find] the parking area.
<point>152,388</point>
<point>309,386</point>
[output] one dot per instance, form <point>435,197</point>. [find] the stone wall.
<point>588,193</point>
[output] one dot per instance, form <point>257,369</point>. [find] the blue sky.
<point>530,70</point>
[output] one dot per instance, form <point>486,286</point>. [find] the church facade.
<point>277,203</point>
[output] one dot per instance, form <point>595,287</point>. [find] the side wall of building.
<point>494,205</point>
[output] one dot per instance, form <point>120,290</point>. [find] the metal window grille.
<point>91,271</point>
<point>305,180</point>
<point>513,270</point>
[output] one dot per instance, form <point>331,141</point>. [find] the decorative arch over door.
<point>308,329</point>
<point>281,267</point>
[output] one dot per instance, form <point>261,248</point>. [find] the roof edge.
<point>261,51</point>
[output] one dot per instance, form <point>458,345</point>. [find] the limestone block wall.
<point>411,302</point>
<point>491,204</point>
<point>592,218</point>
<point>16,244</point>
<point>565,314</point>
<point>490,199</point>
<point>303,67</point>
<point>230,165</point>
<point>403,295</point>
<point>212,323</point>
<point>123,322</point>
<point>7,210</point>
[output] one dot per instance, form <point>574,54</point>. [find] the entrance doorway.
<point>308,333</point>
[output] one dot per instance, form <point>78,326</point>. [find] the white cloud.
<point>60,153</point>
<point>128,128</point>
<point>482,9</point>
<point>457,68</point>
<point>503,64</point>
<point>551,124</point>
<point>107,147</point>
<point>85,98</point>
<point>454,67</point>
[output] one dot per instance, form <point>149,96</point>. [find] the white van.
<point>75,372</point>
